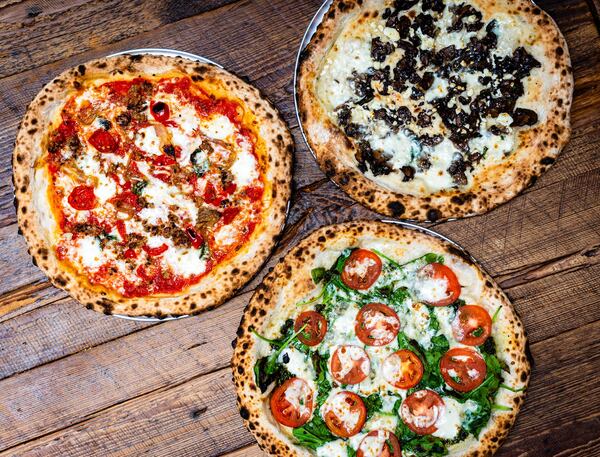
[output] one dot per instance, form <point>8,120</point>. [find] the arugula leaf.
<point>373,403</point>
<point>313,434</point>
<point>501,407</point>
<point>504,386</point>
<point>317,274</point>
<point>433,258</point>
<point>427,258</point>
<point>323,385</point>
<point>267,369</point>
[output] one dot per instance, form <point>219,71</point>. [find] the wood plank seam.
<point>594,10</point>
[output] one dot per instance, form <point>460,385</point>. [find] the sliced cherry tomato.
<point>345,414</point>
<point>472,325</point>
<point>153,252</point>
<point>379,443</point>
<point>103,141</point>
<point>361,269</point>
<point>292,402</point>
<point>403,369</point>
<point>82,198</point>
<point>229,215</point>
<point>376,324</point>
<point>442,272</point>
<point>421,410</point>
<point>130,253</point>
<point>463,369</point>
<point>350,364</point>
<point>122,229</point>
<point>197,238</point>
<point>315,330</point>
<point>160,111</point>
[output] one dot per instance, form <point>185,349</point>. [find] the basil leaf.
<point>317,274</point>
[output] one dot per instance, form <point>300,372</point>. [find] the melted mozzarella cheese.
<point>297,363</point>
<point>218,127</point>
<point>185,262</point>
<point>336,404</point>
<point>348,356</point>
<point>244,169</point>
<point>147,140</point>
<point>226,235</point>
<point>89,252</point>
<point>431,290</point>
<point>449,422</point>
<point>336,448</point>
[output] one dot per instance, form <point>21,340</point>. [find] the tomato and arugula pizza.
<point>435,108</point>
<point>372,340</point>
<point>151,185</point>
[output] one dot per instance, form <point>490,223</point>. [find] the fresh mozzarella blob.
<point>89,252</point>
<point>349,356</point>
<point>297,363</point>
<point>449,422</point>
<point>218,127</point>
<point>360,268</point>
<point>147,140</point>
<point>185,262</point>
<point>244,169</point>
<point>337,405</point>
<point>296,393</point>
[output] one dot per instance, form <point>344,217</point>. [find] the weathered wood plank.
<point>35,34</point>
<point>198,417</point>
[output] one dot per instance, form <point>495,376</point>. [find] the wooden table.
<point>78,383</point>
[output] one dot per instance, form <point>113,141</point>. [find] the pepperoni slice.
<point>103,141</point>
<point>82,198</point>
<point>292,402</point>
<point>421,410</point>
<point>432,275</point>
<point>345,414</point>
<point>376,324</point>
<point>403,369</point>
<point>361,269</point>
<point>463,369</point>
<point>379,443</point>
<point>350,364</point>
<point>314,330</point>
<point>472,325</point>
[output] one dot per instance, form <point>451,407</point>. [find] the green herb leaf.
<point>501,408</point>
<point>504,386</point>
<point>317,274</point>
<point>138,187</point>
<point>495,316</point>
<point>313,434</point>
<point>373,403</point>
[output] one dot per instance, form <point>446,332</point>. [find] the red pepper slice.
<point>153,252</point>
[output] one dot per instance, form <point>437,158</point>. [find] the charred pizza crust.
<point>33,211</point>
<point>537,150</point>
<point>290,281</point>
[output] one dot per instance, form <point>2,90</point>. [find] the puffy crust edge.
<point>335,152</point>
<point>222,282</point>
<point>296,266</point>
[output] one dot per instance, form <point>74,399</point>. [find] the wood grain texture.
<point>77,383</point>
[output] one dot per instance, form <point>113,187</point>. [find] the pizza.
<point>151,185</point>
<point>370,339</point>
<point>435,109</point>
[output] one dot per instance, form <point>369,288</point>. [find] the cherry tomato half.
<point>379,443</point>
<point>403,369</point>
<point>361,269</point>
<point>463,369</point>
<point>376,324</point>
<point>160,111</point>
<point>472,325</point>
<point>421,410</point>
<point>350,364</point>
<point>442,272</point>
<point>315,330</point>
<point>292,402</point>
<point>103,141</point>
<point>345,414</point>
<point>82,198</point>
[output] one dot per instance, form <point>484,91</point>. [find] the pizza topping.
<point>134,160</point>
<point>377,324</point>
<point>361,269</point>
<point>292,402</point>
<point>403,369</point>
<point>472,325</point>
<point>379,443</point>
<point>463,369</point>
<point>344,414</point>
<point>350,364</point>
<point>421,410</point>
<point>314,327</point>
<point>423,91</point>
<point>82,198</point>
<point>383,352</point>
<point>437,285</point>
